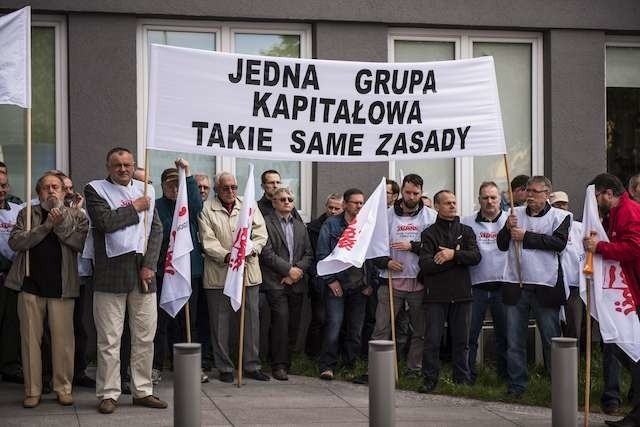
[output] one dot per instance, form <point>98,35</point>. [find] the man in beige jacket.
<point>217,222</point>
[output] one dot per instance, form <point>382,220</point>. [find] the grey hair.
<point>286,190</point>
<point>221,175</point>
<point>541,179</point>
<point>334,196</point>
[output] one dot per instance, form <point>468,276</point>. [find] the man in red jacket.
<point>621,220</point>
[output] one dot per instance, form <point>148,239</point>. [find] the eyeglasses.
<point>286,199</point>
<point>356,203</point>
<point>534,191</point>
<point>229,188</point>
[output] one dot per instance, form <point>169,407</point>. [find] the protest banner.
<point>316,110</point>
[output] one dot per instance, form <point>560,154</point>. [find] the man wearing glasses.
<point>542,232</point>
<point>217,221</point>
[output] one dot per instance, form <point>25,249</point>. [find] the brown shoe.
<point>107,406</point>
<point>150,401</point>
<point>65,399</point>
<point>280,374</point>
<point>31,401</point>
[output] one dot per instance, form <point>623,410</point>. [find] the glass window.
<point>161,160</point>
<point>623,110</point>
<point>43,115</point>
<point>437,174</point>
<point>270,45</point>
<point>513,71</point>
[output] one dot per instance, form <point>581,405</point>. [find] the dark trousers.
<point>369,323</point>
<point>492,300</point>
<point>315,333</point>
<point>169,330</point>
<point>82,325</point>
<point>203,330</point>
<point>9,330</point>
<point>350,309</point>
<point>459,315</point>
<point>612,360</point>
<point>285,307</point>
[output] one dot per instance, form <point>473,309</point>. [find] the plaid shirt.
<point>121,273</point>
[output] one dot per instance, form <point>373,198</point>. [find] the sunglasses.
<point>286,199</point>
<point>229,188</point>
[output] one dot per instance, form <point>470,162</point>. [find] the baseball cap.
<point>170,174</point>
<point>558,196</point>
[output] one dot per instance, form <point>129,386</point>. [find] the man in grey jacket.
<point>125,252</point>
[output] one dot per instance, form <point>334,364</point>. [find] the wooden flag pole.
<point>145,287</point>
<point>241,341</point>
<point>518,245</point>
<point>187,316</point>
<point>393,326</point>
<point>28,185</point>
<point>588,272</point>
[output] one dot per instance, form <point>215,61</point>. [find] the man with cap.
<point>172,330</point>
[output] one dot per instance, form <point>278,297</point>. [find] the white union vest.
<point>7,222</point>
<point>573,255</point>
<point>494,261</point>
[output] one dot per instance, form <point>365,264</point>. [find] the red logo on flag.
<point>348,238</point>
<point>168,268</point>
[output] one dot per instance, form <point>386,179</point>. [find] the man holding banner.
<point>218,221</point>
<point>622,225</point>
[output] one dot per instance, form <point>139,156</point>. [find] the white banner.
<point>314,110</point>
<point>612,304</point>
<point>176,284</point>
<point>367,236</point>
<point>15,58</point>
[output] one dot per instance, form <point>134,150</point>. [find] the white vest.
<point>128,239</point>
<point>7,222</point>
<point>573,255</point>
<point>539,267</point>
<point>407,229</point>
<point>494,261</point>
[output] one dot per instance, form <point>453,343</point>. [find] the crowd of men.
<point>107,248</point>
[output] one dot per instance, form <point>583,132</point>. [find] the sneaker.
<point>204,378</point>
<point>427,387</point>
<point>257,375</point>
<point>150,401</point>
<point>107,406</point>
<point>327,375</point>
<point>280,374</point>
<point>65,399</point>
<point>156,376</point>
<point>611,408</point>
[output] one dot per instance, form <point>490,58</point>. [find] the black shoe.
<point>362,379</point>
<point>84,381</point>
<point>46,387</point>
<point>125,388</point>
<point>625,422</point>
<point>257,375</point>
<point>427,387</point>
<point>514,393</point>
<point>226,377</point>
<point>611,408</point>
<point>13,377</point>
<point>280,374</point>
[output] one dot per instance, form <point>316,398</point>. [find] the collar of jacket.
<point>543,212</point>
<point>442,221</point>
<point>481,218</point>
<point>216,205</point>
<point>397,208</point>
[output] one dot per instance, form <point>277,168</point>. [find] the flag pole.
<point>145,287</point>
<point>187,316</point>
<point>241,340</point>
<point>393,326</point>
<point>28,184</point>
<point>588,272</point>
<point>518,245</point>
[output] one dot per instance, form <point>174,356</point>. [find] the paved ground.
<point>299,401</point>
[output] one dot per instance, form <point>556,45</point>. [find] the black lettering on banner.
<point>326,102</point>
<point>414,113</point>
<point>315,144</point>
<point>269,67</point>
<point>291,77</point>
<point>342,113</point>
<point>395,87</point>
<point>355,118</point>
<point>447,143</point>
<point>386,137</point>
<point>299,104</point>
<point>416,142</point>
<point>238,76</point>
<point>216,136</point>
<point>376,120</point>
<point>432,142</point>
<point>336,146</point>
<point>251,137</point>
<point>355,143</point>
<point>252,70</point>
<point>463,136</point>
<point>260,103</point>
<point>281,108</point>
<point>199,126</point>
<point>310,78</point>
<point>401,144</point>
<point>396,108</point>
<point>382,78</point>
<point>264,136</point>
<point>430,83</point>
<point>235,135</point>
<point>298,141</point>
<point>363,86</point>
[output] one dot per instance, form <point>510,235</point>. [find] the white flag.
<point>15,58</point>
<point>366,237</point>
<point>176,285</point>
<point>242,245</point>
<point>611,300</point>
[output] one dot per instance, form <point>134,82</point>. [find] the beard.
<point>50,203</point>
<point>410,204</point>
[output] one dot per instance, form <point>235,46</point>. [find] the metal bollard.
<point>186,385</point>
<point>382,387</point>
<point>564,382</point>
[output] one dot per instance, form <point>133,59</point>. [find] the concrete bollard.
<point>186,385</point>
<point>382,387</point>
<point>564,382</point>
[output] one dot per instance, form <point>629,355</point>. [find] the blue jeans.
<point>548,322</point>
<point>612,359</point>
<point>350,309</point>
<point>482,300</point>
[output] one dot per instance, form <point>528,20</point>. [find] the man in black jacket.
<point>448,249</point>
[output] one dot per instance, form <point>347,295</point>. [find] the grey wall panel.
<point>575,114</point>
<point>102,90</point>
<point>355,42</point>
<point>576,14</point>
